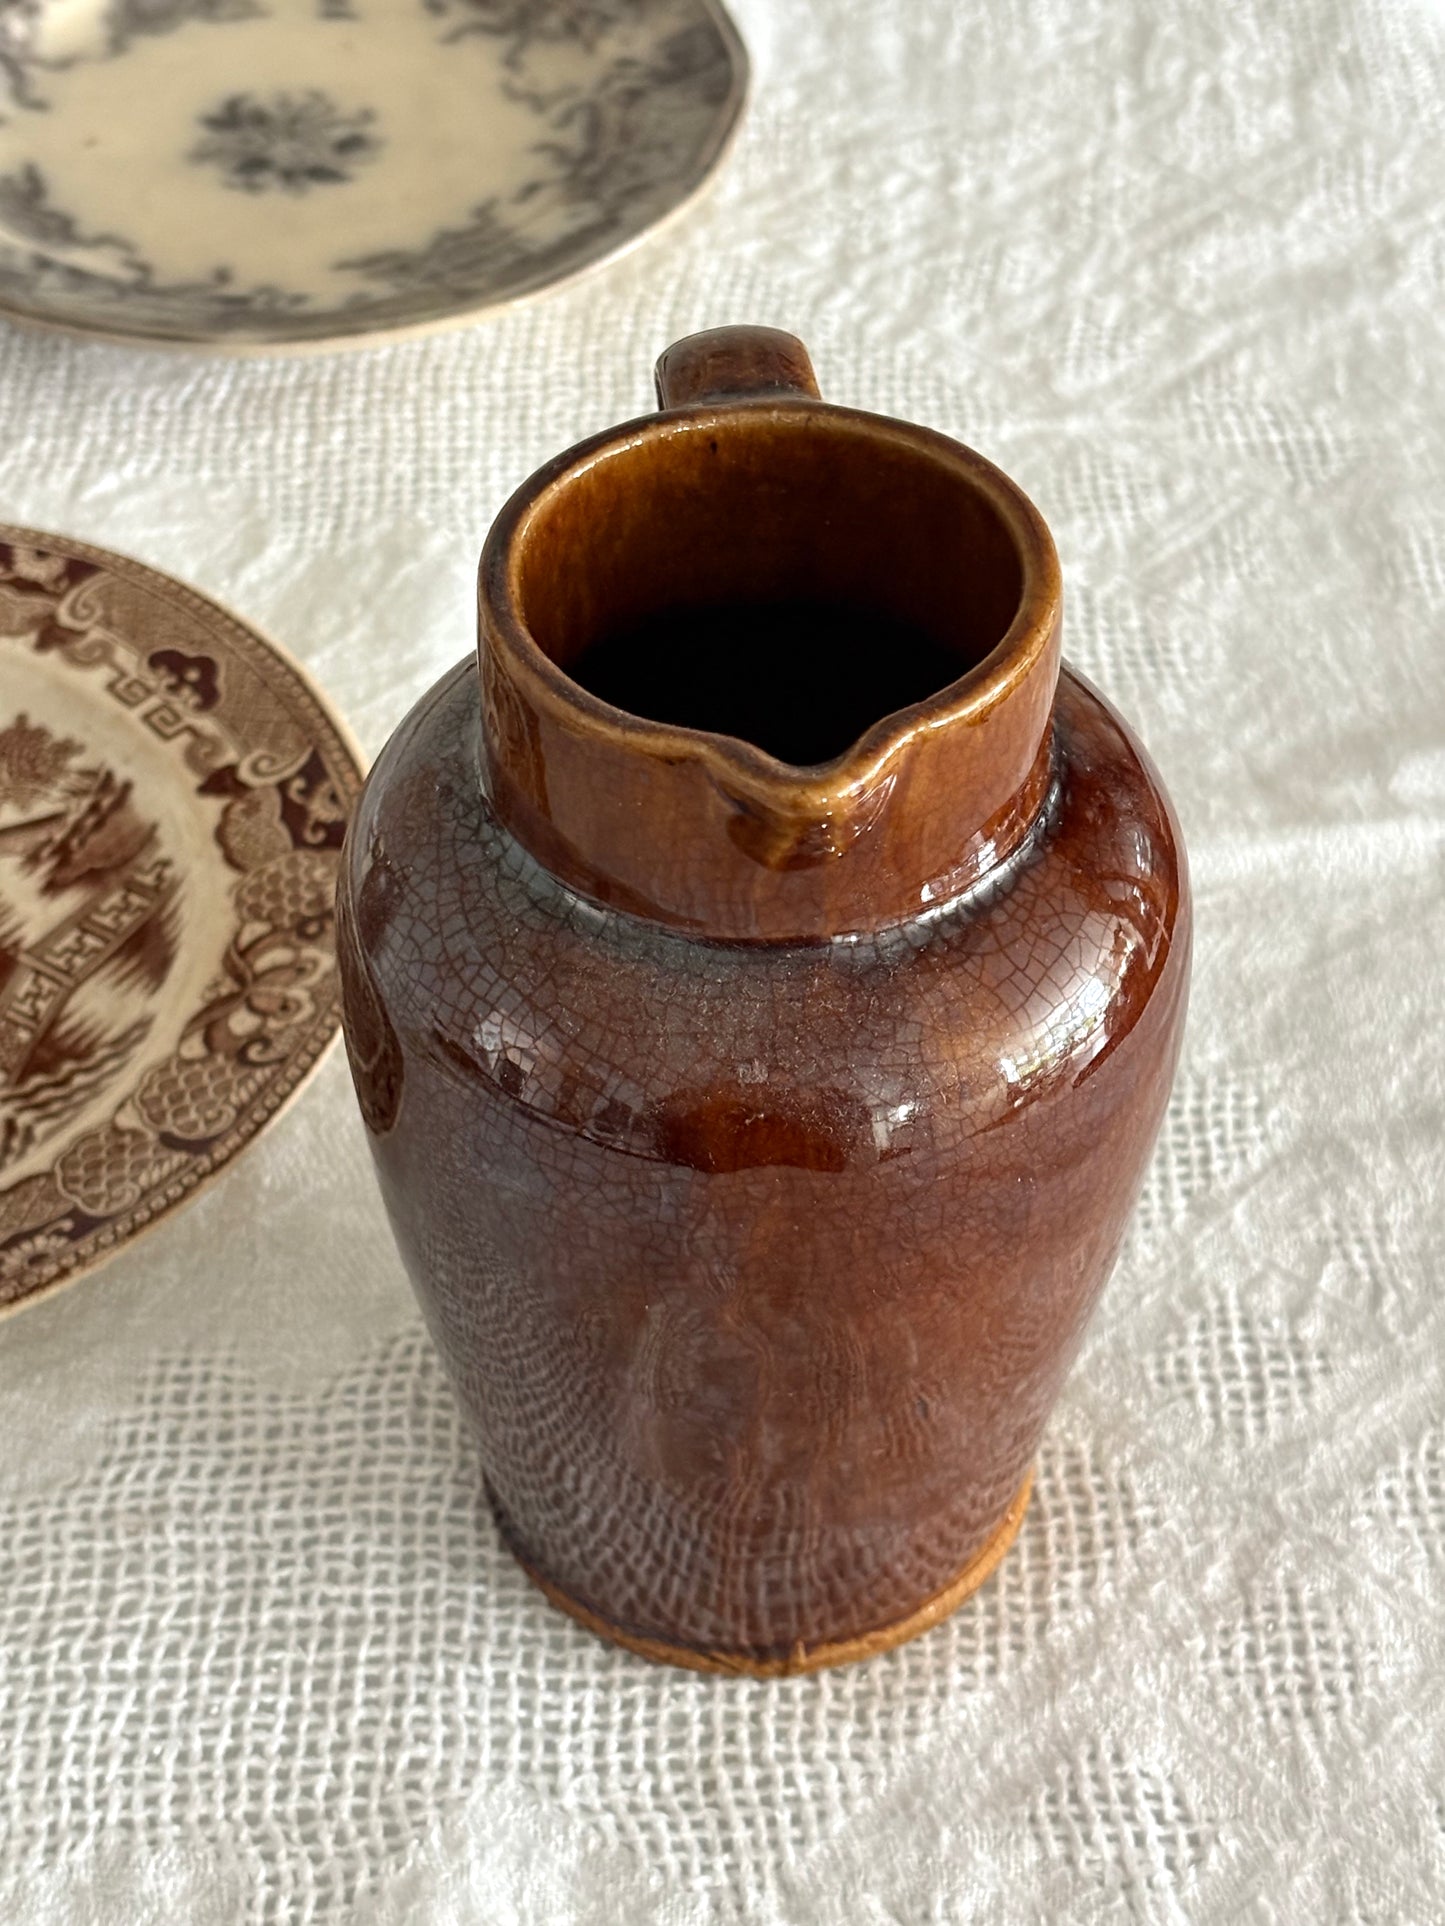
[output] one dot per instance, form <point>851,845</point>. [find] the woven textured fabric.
<point>1178,270</point>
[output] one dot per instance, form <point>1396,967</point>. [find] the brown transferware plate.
<point>173,794</point>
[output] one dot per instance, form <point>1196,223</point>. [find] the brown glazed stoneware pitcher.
<point>758,1137</point>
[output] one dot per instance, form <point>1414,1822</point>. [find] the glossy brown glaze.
<point>759,1139</point>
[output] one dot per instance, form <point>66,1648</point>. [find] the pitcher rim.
<point>735,763</point>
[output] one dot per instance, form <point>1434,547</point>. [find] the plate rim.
<point>731,114</point>
<point>119,562</point>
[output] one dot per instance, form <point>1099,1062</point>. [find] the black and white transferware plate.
<point>253,173</point>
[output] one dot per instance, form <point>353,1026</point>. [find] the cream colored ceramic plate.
<point>249,173</point>
<point>173,794</point>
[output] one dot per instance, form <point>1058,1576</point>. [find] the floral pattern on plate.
<point>291,141</point>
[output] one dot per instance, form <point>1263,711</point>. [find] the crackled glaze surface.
<point>172,802</point>
<point>760,1258</point>
<point>285,171</point>
<point>759,1268</point>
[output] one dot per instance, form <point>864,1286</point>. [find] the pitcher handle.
<point>734,364</point>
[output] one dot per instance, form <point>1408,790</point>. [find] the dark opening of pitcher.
<point>801,679</point>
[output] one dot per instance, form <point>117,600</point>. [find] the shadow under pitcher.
<point>764,972</point>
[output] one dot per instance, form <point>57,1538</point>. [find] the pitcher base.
<point>802,1658</point>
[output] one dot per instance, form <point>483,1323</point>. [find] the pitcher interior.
<point>789,577</point>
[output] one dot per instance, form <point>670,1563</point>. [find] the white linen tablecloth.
<point>1179,270</point>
